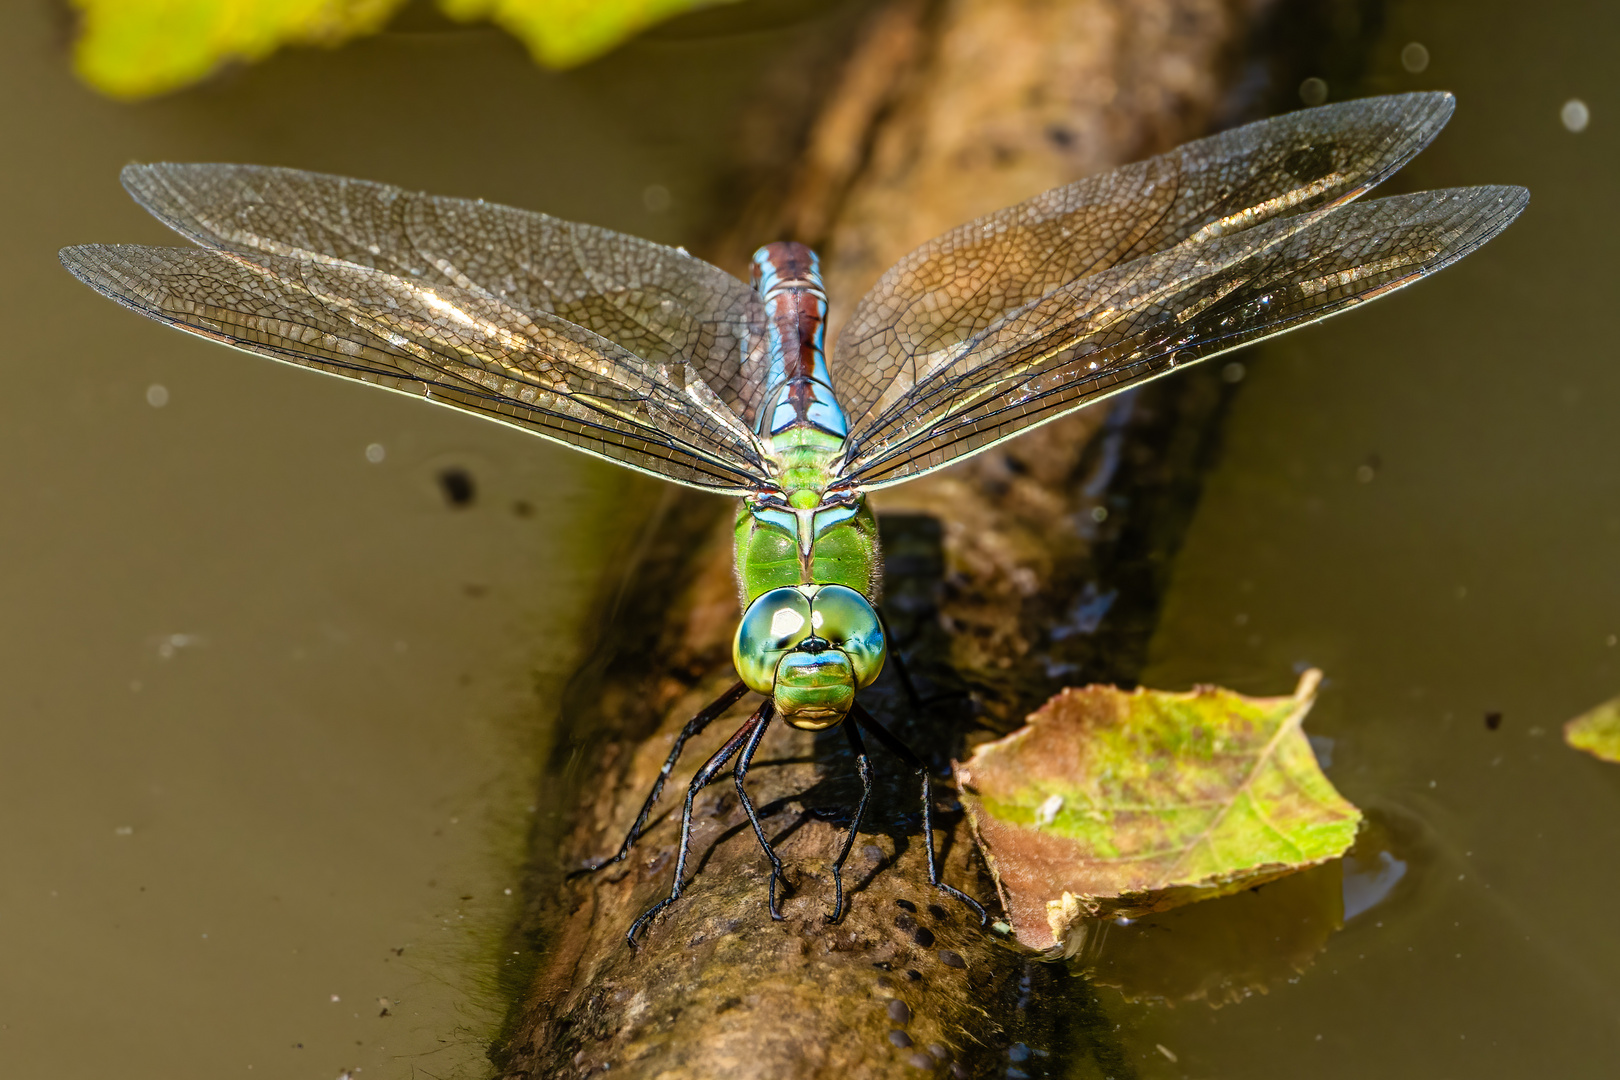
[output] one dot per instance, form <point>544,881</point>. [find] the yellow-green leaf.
<point>1597,732</point>
<point>1114,803</point>
<point>137,48</point>
<point>564,33</point>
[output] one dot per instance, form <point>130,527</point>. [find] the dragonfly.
<point>646,356</point>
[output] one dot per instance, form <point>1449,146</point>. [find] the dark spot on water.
<point>1060,136</point>
<point>475,591</point>
<point>938,914</point>
<point>913,974</point>
<point>900,1039</point>
<point>951,959</point>
<point>905,922</point>
<point>899,1012</point>
<point>1493,720</point>
<point>883,965</point>
<point>1310,163</point>
<point>906,905</point>
<point>728,1004</point>
<point>523,508</point>
<point>923,936</point>
<point>458,486</point>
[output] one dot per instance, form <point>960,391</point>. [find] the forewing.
<point>954,286</point>
<point>1116,329</point>
<point>657,302</point>
<point>453,347</point>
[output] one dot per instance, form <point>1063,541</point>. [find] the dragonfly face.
<point>648,357</point>
<point>810,647</point>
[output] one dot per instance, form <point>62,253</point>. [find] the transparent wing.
<point>657,302</point>
<point>467,350</point>
<point>954,286</point>
<point>1132,323</point>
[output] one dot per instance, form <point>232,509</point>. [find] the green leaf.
<point>565,33</point>
<point>1597,732</point>
<point>1112,803</point>
<point>138,48</point>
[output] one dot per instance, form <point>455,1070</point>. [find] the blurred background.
<point>279,656</point>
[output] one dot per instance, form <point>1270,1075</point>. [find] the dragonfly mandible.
<point>646,356</point>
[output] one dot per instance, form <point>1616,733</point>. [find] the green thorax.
<point>802,535</point>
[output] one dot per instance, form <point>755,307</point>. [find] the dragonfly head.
<point>810,647</point>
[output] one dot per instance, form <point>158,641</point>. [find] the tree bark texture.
<point>945,111</point>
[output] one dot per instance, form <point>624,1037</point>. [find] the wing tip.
<point>1425,111</point>
<point>1421,112</point>
<point>106,268</point>
<point>1511,200</point>
<point>77,259</point>
<point>138,178</point>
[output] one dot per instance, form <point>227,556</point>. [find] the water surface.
<point>272,699</point>
<point>1423,499</point>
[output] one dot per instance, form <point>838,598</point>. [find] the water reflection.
<point>1221,951</point>
<point>1368,882</point>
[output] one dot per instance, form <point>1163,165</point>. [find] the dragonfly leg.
<point>900,669</point>
<point>903,752</point>
<point>749,734</point>
<point>863,765</point>
<point>741,774</point>
<point>693,726</point>
<point>902,672</point>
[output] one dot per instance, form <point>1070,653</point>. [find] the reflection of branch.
<point>1014,96</point>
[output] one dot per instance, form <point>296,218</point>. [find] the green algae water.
<point>281,655</point>
<point>1424,501</point>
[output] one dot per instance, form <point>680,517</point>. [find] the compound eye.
<point>846,620</point>
<point>773,625</point>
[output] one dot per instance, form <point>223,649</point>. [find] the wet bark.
<point>999,575</point>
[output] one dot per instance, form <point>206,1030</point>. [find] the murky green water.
<point>1423,499</point>
<point>269,710</point>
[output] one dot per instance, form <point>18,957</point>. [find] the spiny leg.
<point>741,774</point>
<point>902,671</point>
<point>903,752</point>
<point>900,668</point>
<point>748,733</point>
<point>863,766</point>
<point>693,727</point>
